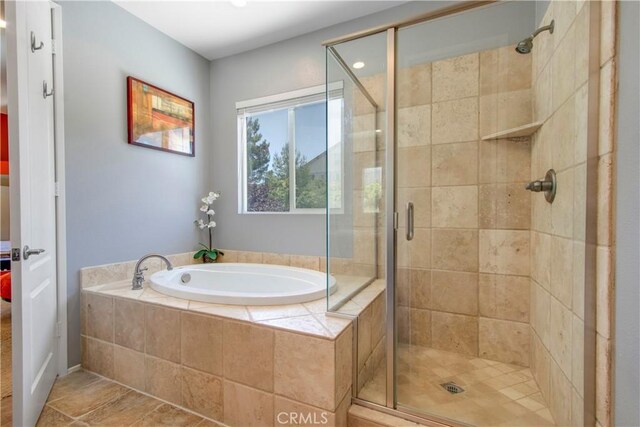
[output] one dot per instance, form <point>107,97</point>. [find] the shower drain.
<point>452,388</point>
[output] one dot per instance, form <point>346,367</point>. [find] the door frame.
<point>15,93</point>
<point>61,210</point>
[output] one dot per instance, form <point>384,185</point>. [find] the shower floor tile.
<point>494,393</point>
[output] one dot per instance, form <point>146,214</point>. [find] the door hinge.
<point>395,220</point>
<point>53,46</point>
<point>56,189</point>
<point>59,329</point>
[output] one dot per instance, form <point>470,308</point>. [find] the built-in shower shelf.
<point>515,133</point>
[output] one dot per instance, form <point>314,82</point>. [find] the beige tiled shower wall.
<point>605,279</point>
<point>463,280</point>
<point>560,81</point>
<point>366,159</point>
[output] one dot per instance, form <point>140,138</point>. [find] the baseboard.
<point>73,369</point>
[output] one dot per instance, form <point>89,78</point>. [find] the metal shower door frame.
<point>391,221</point>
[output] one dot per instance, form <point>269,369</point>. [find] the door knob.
<point>27,252</point>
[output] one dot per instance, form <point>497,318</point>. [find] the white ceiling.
<point>217,28</point>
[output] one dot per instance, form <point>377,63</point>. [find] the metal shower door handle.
<point>26,252</point>
<point>410,221</point>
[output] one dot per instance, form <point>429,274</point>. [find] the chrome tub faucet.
<point>138,273</point>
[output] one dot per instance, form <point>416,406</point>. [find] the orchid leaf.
<point>212,254</point>
<point>199,254</point>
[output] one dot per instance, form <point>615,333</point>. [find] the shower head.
<point>526,45</point>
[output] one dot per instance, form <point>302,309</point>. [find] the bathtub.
<point>243,284</point>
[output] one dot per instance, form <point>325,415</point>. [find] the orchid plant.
<point>208,253</point>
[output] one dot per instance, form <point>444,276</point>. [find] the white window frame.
<point>280,101</point>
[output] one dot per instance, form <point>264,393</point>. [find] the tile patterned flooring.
<point>496,394</point>
<point>85,399</point>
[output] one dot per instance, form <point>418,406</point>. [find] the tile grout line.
<point>93,410</point>
<point>163,401</point>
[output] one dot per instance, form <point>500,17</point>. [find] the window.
<point>282,152</point>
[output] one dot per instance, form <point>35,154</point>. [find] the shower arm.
<point>545,28</point>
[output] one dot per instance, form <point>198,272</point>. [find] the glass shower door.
<point>356,93</point>
<point>486,283</point>
<point>463,242</point>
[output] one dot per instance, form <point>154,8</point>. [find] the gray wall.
<point>292,64</point>
<point>627,344</point>
<point>295,64</point>
<point>122,200</point>
<point>541,9</point>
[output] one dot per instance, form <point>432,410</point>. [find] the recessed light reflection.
<point>239,3</point>
<point>3,23</point>
<point>358,65</point>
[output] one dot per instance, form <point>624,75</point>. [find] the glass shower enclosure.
<point>469,291</point>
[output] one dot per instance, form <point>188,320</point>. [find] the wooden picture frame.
<point>159,119</point>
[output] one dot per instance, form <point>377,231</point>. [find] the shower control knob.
<point>548,186</point>
<point>538,186</point>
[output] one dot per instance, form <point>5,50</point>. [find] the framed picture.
<point>159,119</point>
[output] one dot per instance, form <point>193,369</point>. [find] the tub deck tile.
<point>307,318</point>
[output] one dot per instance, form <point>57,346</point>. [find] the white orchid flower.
<point>211,212</point>
<point>204,208</point>
<point>205,200</point>
<point>211,224</point>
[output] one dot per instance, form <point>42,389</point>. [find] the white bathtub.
<point>243,284</point>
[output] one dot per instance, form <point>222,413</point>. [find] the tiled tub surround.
<point>234,364</point>
<point>371,323</point>
<point>240,365</point>
<point>350,277</point>
<point>109,273</point>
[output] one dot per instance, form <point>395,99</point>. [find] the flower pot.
<point>207,260</point>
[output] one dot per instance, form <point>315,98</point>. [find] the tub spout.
<point>138,273</point>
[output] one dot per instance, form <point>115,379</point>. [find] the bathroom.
<point>443,251</point>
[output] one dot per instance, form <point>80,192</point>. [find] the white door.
<point>33,213</point>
